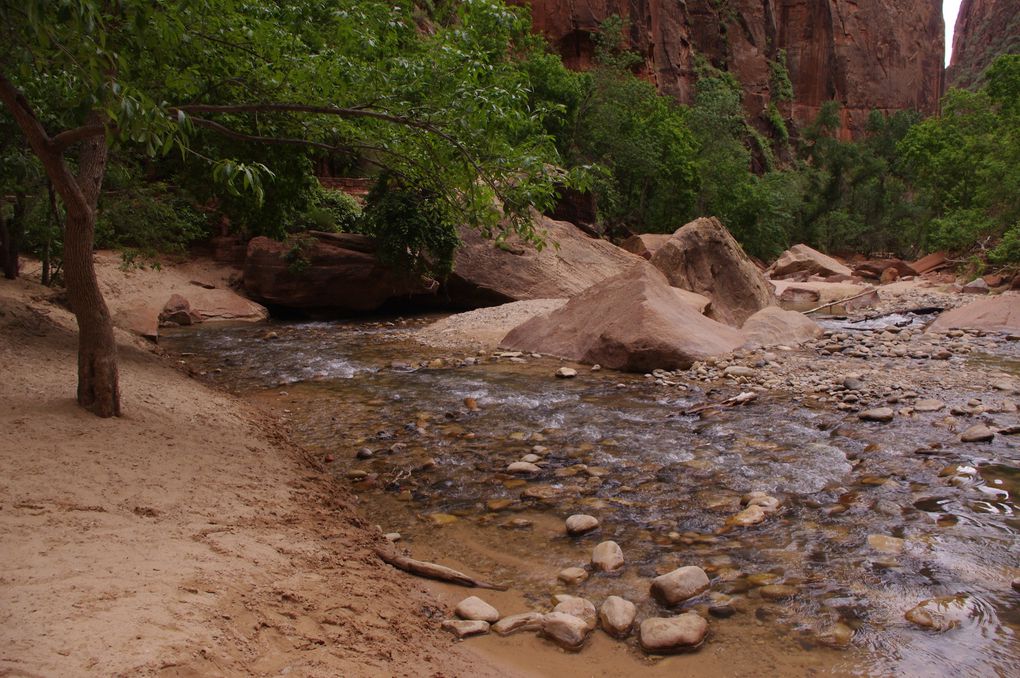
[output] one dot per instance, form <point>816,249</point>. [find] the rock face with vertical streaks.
<point>866,54</point>
<point>985,29</point>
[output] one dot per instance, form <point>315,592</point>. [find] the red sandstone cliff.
<point>984,30</point>
<point>866,54</point>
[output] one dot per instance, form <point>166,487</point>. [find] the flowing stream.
<point>875,518</point>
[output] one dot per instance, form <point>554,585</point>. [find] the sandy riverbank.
<point>186,538</point>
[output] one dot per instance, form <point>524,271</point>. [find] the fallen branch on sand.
<point>432,571</point>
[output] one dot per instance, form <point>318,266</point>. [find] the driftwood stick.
<point>741,399</point>
<point>841,301</point>
<point>421,568</point>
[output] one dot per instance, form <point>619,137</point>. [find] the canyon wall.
<point>865,54</point>
<point>984,30</point>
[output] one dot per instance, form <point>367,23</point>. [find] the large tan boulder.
<point>995,314</point>
<point>645,244</point>
<point>803,259</point>
<point>487,274</point>
<point>703,257</point>
<point>773,326</point>
<point>325,273</point>
<point>634,321</point>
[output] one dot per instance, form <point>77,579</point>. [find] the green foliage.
<point>333,211</point>
<point>779,78</point>
<point>415,228</point>
<point>148,219</point>
<point>243,92</point>
<point>965,163</point>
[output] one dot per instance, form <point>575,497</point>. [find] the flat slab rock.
<point>669,635</point>
<point>462,628</point>
<point>526,621</point>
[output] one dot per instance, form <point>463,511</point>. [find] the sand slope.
<point>183,539</point>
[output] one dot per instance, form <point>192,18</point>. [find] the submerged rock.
<point>572,575</point>
<point>940,614</point>
<point>667,635</point>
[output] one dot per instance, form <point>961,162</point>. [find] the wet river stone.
<point>617,616</point>
<point>573,575</point>
<point>566,373</point>
<point>607,556</point>
<point>580,523</point>
<point>474,608</point>
<point>928,405</point>
<point>462,628</point>
<point>882,414</point>
<point>682,583</point>
<point>526,621</point>
<point>582,608</point>
<point>978,433</point>
<point>565,630</point>
<point>667,635</point>
<point>522,467</point>
<point>777,591</point>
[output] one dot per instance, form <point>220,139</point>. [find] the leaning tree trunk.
<point>98,383</point>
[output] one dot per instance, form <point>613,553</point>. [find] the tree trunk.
<point>11,232</point>
<point>98,383</point>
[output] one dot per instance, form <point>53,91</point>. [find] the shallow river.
<point>663,484</point>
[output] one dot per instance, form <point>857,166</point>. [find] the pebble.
<point>573,575</point>
<point>392,536</point>
<point>617,616</point>
<point>885,543</point>
<point>929,405</point>
<point>777,591</point>
<point>607,556</point>
<point>566,373</point>
<point>738,371</point>
<point>526,621</point>
<point>978,433</point>
<point>476,609</point>
<point>579,523</point>
<point>464,628</point>
<point>666,635</point>
<point>752,515</point>
<point>882,414</point>
<point>565,630</point>
<point>682,583</point>
<point>522,467</point>
<point>582,608</point>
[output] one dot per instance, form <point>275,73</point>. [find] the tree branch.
<point>42,145</point>
<point>70,137</point>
